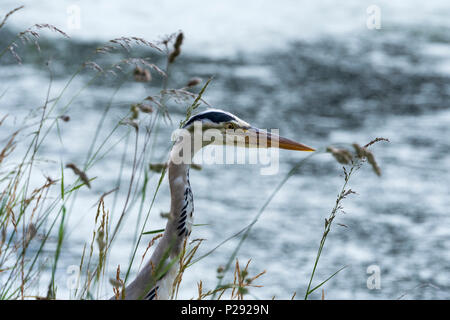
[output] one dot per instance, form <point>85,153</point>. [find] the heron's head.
<point>223,128</point>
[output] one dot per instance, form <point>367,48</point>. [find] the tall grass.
<point>40,216</point>
<point>34,217</point>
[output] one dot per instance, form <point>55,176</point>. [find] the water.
<point>314,71</point>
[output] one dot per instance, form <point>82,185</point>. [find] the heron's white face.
<point>223,128</point>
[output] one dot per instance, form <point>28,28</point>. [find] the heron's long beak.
<point>270,140</point>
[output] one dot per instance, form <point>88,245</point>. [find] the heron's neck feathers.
<point>180,221</point>
<point>178,228</point>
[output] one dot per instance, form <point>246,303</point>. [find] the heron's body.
<point>156,279</point>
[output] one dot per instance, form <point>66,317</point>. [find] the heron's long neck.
<point>179,224</point>
<point>178,228</point>
<point>181,206</point>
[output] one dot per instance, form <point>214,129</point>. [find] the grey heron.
<point>178,228</point>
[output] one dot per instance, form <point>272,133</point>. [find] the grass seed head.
<point>65,118</point>
<point>82,175</point>
<point>145,108</point>
<point>193,82</point>
<point>176,47</point>
<point>31,232</point>
<point>364,153</point>
<point>142,75</point>
<point>342,156</point>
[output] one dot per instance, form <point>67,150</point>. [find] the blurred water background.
<point>310,68</point>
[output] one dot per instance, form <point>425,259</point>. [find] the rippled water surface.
<point>311,69</point>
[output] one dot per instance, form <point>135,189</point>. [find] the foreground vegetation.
<point>33,218</point>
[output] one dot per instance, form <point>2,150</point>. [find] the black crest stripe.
<point>214,116</point>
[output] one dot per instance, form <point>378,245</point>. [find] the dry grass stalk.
<point>31,35</point>
<point>126,43</point>
<point>10,145</point>
<point>38,192</point>
<point>346,157</point>
<point>12,197</point>
<point>100,231</point>
<point>181,95</point>
<point>108,193</point>
<point>200,290</point>
<point>242,281</point>
<point>9,14</point>
<point>140,73</point>
<point>154,99</point>
<point>130,122</point>
<point>92,65</point>
<point>221,290</point>
<point>184,262</point>
<point>2,240</point>
<point>202,295</point>
<point>140,61</point>
<point>150,244</point>
<point>3,119</point>
<point>118,285</point>
<point>375,141</point>
<point>102,236</point>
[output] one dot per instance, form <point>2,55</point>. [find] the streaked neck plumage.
<point>178,229</point>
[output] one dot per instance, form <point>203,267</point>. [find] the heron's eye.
<point>230,125</point>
